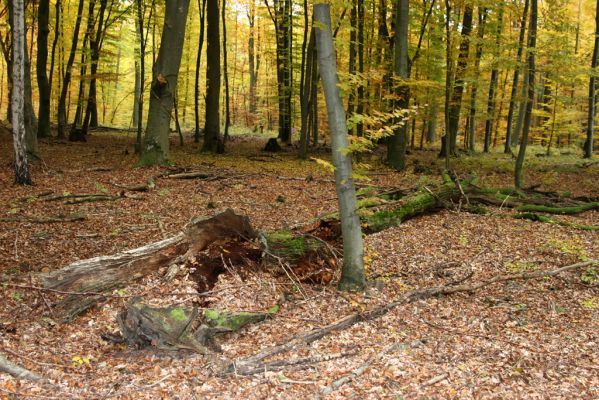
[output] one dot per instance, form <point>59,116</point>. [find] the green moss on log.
<point>559,210</point>
<point>230,321</point>
<point>548,220</point>
<point>414,205</point>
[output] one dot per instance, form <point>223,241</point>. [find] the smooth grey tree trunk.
<point>22,176</point>
<point>164,84</point>
<point>352,275</point>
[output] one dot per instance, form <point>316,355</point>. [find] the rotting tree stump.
<point>85,281</point>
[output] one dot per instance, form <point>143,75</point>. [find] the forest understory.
<point>516,338</point>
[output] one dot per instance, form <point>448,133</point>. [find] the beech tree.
<point>22,176</point>
<point>352,275</point>
<point>212,138</point>
<point>164,84</point>
<point>588,145</point>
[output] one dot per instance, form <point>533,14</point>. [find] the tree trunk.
<point>43,17</point>
<point>62,106</point>
<point>493,84</point>
<point>226,74</point>
<point>482,17</point>
<point>588,145</point>
<point>164,84</point>
<point>397,143</point>
<point>353,276</point>
<point>21,165</point>
<point>455,104</point>
<point>532,40</point>
<point>202,8</point>
<point>510,115</point>
<point>212,139</point>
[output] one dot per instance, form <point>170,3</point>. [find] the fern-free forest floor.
<point>535,339</point>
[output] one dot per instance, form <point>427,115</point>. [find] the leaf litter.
<point>532,339</point>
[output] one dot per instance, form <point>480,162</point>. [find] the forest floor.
<point>520,339</point>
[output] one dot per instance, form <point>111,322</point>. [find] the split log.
<point>105,273</point>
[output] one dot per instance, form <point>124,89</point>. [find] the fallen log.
<point>106,273</point>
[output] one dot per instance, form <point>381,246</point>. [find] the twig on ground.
<point>360,370</point>
<point>17,371</point>
<point>435,380</point>
<point>409,297</point>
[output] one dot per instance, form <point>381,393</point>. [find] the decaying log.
<point>191,175</point>
<point>179,328</point>
<point>105,273</point>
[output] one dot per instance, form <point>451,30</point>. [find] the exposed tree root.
<point>254,363</point>
<point>17,371</point>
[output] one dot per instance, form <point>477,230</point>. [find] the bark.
<point>62,106</point>
<point>493,84</point>
<point>510,115</point>
<point>42,76</point>
<point>164,84</point>
<point>212,138</point>
<point>588,145</point>
<point>95,44</point>
<point>455,105</point>
<point>532,39</point>
<point>85,282</point>
<point>13,369</point>
<point>226,74</point>
<point>21,165</point>
<point>254,57</point>
<point>352,276</point>
<point>202,8</point>
<point>482,17</point>
<point>397,144</point>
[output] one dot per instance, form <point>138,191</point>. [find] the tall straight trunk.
<point>164,84</point>
<point>281,15</point>
<point>91,111</point>
<point>397,143</point>
<point>87,38</point>
<point>57,34</point>
<point>352,275</point>
<point>21,165</point>
<point>588,146</point>
<point>532,40</point>
<point>212,139</point>
<point>493,84</point>
<point>521,107</point>
<point>142,73</point>
<point>31,143</point>
<point>455,105</point>
<point>482,17</point>
<point>43,17</point>
<point>445,140</point>
<point>514,93</point>
<point>226,74</point>
<point>196,103</point>
<point>254,57</point>
<point>353,35</point>
<point>62,102</point>
<point>360,102</point>
<point>306,93</point>
<point>136,93</point>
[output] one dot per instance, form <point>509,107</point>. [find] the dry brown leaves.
<point>514,340</point>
